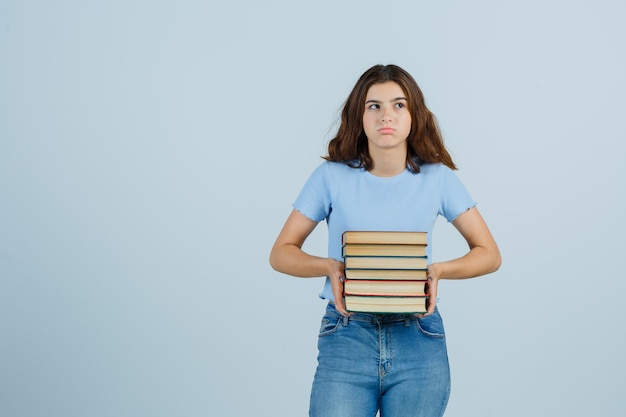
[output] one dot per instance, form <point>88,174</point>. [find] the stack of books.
<point>385,272</point>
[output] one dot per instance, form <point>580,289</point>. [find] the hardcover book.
<point>392,274</point>
<point>374,237</point>
<point>366,249</point>
<point>375,304</point>
<point>385,262</point>
<point>385,288</point>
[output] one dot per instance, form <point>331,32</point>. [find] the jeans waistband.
<point>374,318</point>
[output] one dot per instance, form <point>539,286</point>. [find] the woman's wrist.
<point>435,270</point>
<point>332,267</point>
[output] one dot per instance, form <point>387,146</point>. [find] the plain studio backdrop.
<point>150,152</point>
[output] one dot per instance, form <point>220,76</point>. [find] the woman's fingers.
<point>432,284</point>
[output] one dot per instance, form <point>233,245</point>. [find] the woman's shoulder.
<point>435,168</point>
<point>330,171</point>
<point>340,167</point>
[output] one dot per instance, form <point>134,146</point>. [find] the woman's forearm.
<point>478,261</point>
<point>290,259</point>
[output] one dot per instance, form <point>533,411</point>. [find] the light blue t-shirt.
<point>354,199</point>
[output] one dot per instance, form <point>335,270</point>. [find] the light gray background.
<point>150,151</point>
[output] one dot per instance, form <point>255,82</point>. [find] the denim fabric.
<point>394,363</point>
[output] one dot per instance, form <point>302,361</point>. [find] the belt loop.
<point>345,320</point>
<point>407,321</point>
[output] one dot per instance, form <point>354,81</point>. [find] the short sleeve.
<point>314,198</point>
<point>455,199</point>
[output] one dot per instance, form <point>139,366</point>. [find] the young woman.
<point>387,169</point>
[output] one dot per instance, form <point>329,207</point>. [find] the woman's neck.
<point>388,164</point>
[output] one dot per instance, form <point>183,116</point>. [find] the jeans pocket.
<point>431,325</point>
<point>330,324</point>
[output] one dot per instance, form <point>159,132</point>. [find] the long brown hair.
<point>424,143</point>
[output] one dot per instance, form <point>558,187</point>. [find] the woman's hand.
<point>432,283</point>
<point>337,275</point>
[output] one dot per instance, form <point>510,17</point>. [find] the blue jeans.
<point>394,363</point>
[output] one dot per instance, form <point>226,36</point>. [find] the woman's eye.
<point>374,106</point>
<point>399,105</point>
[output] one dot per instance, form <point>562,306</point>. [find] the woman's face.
<point>386,117</point>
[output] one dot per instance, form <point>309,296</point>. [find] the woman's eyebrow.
<point>392,100</point>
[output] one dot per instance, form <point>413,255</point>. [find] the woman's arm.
<point>482,258</point>
<point>288,257</point>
